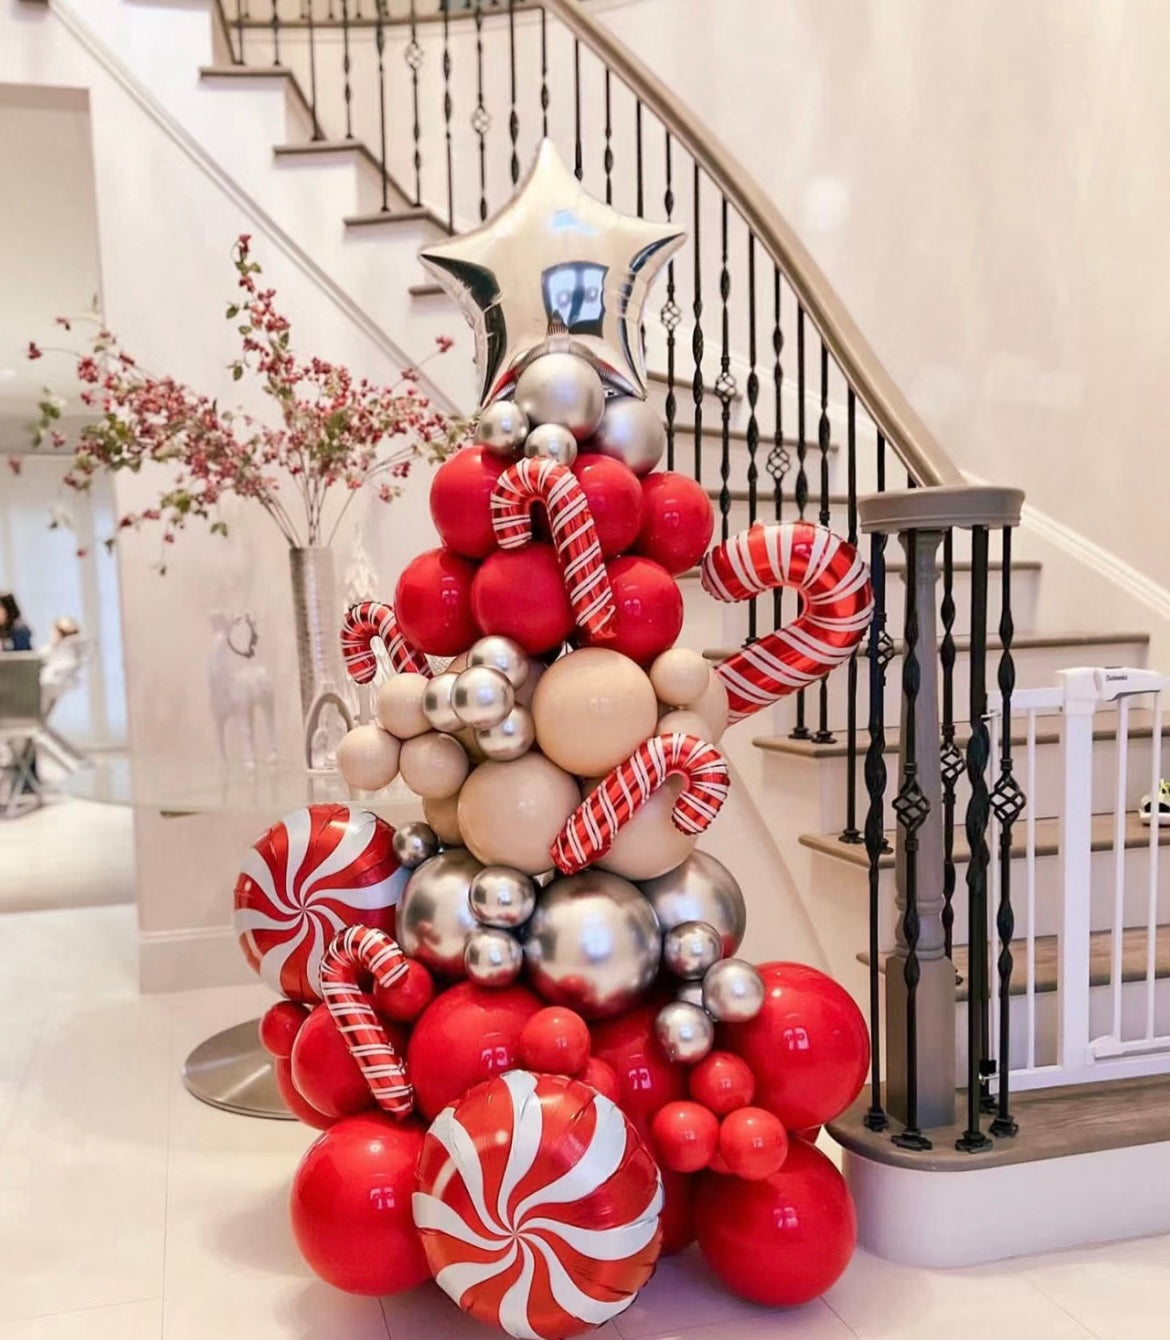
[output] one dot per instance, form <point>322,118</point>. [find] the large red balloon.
<point>614,494</point>
<point>351,1206</point>
<point>649,609</point>
<point>782,1241</point>
<point>677,521</point>
<point>521,594</point>
<point>296,1103</point>
<point>648,1080</point>
<point>408,997</point>
<point>808,1047</point>
<point>324,1071</point>
<point>433,603</point>
<point>678,1211</point>
<point>463,1037</point>
<point>461,493</point>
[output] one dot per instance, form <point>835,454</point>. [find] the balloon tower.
<point>521,1024</point>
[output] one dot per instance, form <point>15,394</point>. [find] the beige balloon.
<point>433,765</point>
<point>712,707</point>
<point>685,723</point>
<point>680,676</point>
<point>592,709</point>
<point>527,691</point>
<point>399,706</point>
<point>509,813</point>
<point>443,817</point>
<point>649,845</point>
<point>368,758</point>
<point>466,738</point>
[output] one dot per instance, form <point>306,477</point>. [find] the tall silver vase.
<point>317,620</point>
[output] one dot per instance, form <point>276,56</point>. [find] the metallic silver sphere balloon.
<point>415,843</point>
<point>437,705</point>
<point>631,431</point>
<point>690,948</point>
<point>481,697</point>
<point>493,957</point>
<point>733,991</point>
<point>684,1032</point>
<point>562,388</point>
<point>691,992</point>
<point>503,654</point>
<point>510,738</point>
<point>701,889</point>
<point>551,442</point>
<point>434,917</point>
<point>502,428</point>
<point>501,896</point>
<point>593,944</point>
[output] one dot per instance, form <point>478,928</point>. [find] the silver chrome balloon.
<point>551,442</point>
<point>510,738</point>
<point>733,991</point>
<point>690,948</point>
<point>701,889</point>
<point>631,431</point>
<point>563,390</point>
<point>493,957</point>
<point>502,428</point>
<point>501,896</point>
<point>503,654</point>
<point>437,705</point>
<point>593,944</point>
<point>434,917</point>
<point>415,843</point>
<point>684,1032</point>
<point>481,697</point>
<point>691,992</point>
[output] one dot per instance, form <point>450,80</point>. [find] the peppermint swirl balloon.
<point>319,870</point>
<point>538,1206</point>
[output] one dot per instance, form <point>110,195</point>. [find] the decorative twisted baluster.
<point>513,118</point>
<point>380,47</point>
<point>850,833</point>
<point>448,108</point>
<point>671,317</point>
<point>778,460</point>
<point>413,55</point>
<point>346,67</point>
<point>480,120</point>
<point>607,157</point>
<point>697,333</point>
<point>800,731</point>
<point>950,759</point>
<point>307,16</point>
<point>823,734</point>
<point>274,24</point>
<point>639,198</point>
<point>725,387</point>
<point>242,17</point>
<point>544,73</point>
<point>578,160</point>
<point>753,427</point>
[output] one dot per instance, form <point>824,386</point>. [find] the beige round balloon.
<point>433,765</point>
<point>399,706</point>
<point>443,817</point>
<point>685,723</point>
<point>680,676</point>
<point>466,738</point>
<point>649,845</point>
<point>592,709</point>
<point>712,707</point>
<point>509,813</point>
<point>368,758</point>
<point>527,691</point>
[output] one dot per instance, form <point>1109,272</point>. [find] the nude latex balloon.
<point>649,844</point>
<point>592,709</point>
<point>680,676</point>
<point>712,707</point>
<point>433,765</point>
<point>399,706</point>
<point>368,758</point>
<point>443,817</point>
<point>509,813</point>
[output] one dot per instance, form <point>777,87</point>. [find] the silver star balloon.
<point>555,255</point>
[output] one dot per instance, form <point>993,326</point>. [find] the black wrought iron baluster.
<point>671,317</point>
<point>639,199</point>
<point>307,16</point>
<point>778,461</point>
<point>753,427</point>
<point>850,832</point>
<point>951,760</point>
<point>275,26</point>
<point>329,12</point>
<point>345,69</point>
<point>480,120</point>
<point>823,734</point>
<point>448,108</point>
<point>725,387</point>
<point>513,118</point>
<point>607,157</point>
<point>242,17</point>
<point>800,731</point>
<point>380,46</point>
<point>414,59</point>
<point>697,335</point>
<point>578,161</point>
<point>543,73</point>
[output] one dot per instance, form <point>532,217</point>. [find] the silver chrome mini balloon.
<point>493,957</point>
<point>510,738</point>
<point>437,706</point>
<point>563,389</point>
<point>434,917</point>
<point>593,944</point>
<point>684,1032</point>
<point>690,948</point>
<point>502,428</point>
<point>733,991</point>
<point>481,697</point>
<point>691,992</point>
<point>631,431</point>
<point>501,896</point>
<point>415,843</point>
<point>551,442</point>
<point>503,654</point>
<point>701,889</point>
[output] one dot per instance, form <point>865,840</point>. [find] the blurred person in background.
<point>62,660</point>
<point>15,634</point>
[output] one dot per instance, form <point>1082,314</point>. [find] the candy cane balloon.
<point>836,608</point>
<point>361,625</point>
<point>574,535</point>
<point>354,951</point>
<point>590,830</point>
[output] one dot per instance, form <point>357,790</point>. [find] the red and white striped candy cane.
<point>836,608</point>
<point>356,950</point>
<point>578,550</point>
<point>590,830</point>
<point>363,623</point>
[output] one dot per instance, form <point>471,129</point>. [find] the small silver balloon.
<point>415,843</point>
<point>690,948</point>
<point>492,957</point>
<point>631,431</point>
<point>561,388</point>
<point>434,917</point>
<point>691,992</point>
<point>551,442</point>
<point>481,697</point>
<point>502,428</point>
<point>501,896</point>
<point>437,705</point>
<point>503,654</point>
<point>701,889</point>
<point>510,738</point>
<point>733,991</point>
<point>684,1032</point>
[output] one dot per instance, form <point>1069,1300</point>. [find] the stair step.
<point>380,218</point>
<point>428,290</point>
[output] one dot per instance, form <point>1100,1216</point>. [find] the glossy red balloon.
<point>677,521</point>
<point>280,1025</point>
<point>602,1077</point>
<point>685,1136</point>
<point>461,492</point>
<point>678,1211</point>
<point>752,1143</point>
<point>324,1071</point>
<point>808,1047</point>
<point>296,1104</point>
<point>521,594</point>
<point>409,995</point>
<point>648,1080</point>
<point>781,1241</point>
<point>433,603</point>
<point>463,1037</point>
<point>649,608</point>
<point>351,1206</point>
<point>614,494</point>
<point>555,1041</point>
<point>722,1082</point>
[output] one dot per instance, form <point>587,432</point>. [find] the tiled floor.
<point>129,1210</point>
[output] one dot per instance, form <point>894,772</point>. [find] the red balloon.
<point>614,494</point>
<point>685,1136</point>
<point>521,594</point>
<point>300,1107</point>
<point>279,1027</point>
<point>808,1047</point>
<point>648,1081</point>
<point>678,1211</point>
<point>649,608</point>
<point>753,1143</point>
<point>555,1041</point>
<point>408,997</point>
<point>433,603</point>
<point>325,1072</point>
<point>461,493</point>
<point>351,1206</point>
<point>677,521</point>
<point>782,1241</point>
<point>463,1037</point>
<point>722,1082</point>
<point>810,1133</point>
<point>603,1078</point>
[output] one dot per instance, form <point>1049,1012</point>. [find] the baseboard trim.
<point>183,960</point>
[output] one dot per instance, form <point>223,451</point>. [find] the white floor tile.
<point>1120,1291</point>
<point>427,1313</point>
<point>683,1293</point>
<point>68,853</point>
<point>123,1321</point>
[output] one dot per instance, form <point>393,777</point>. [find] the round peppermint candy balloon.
<point>538,1205</point>
<point>319,870</point>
